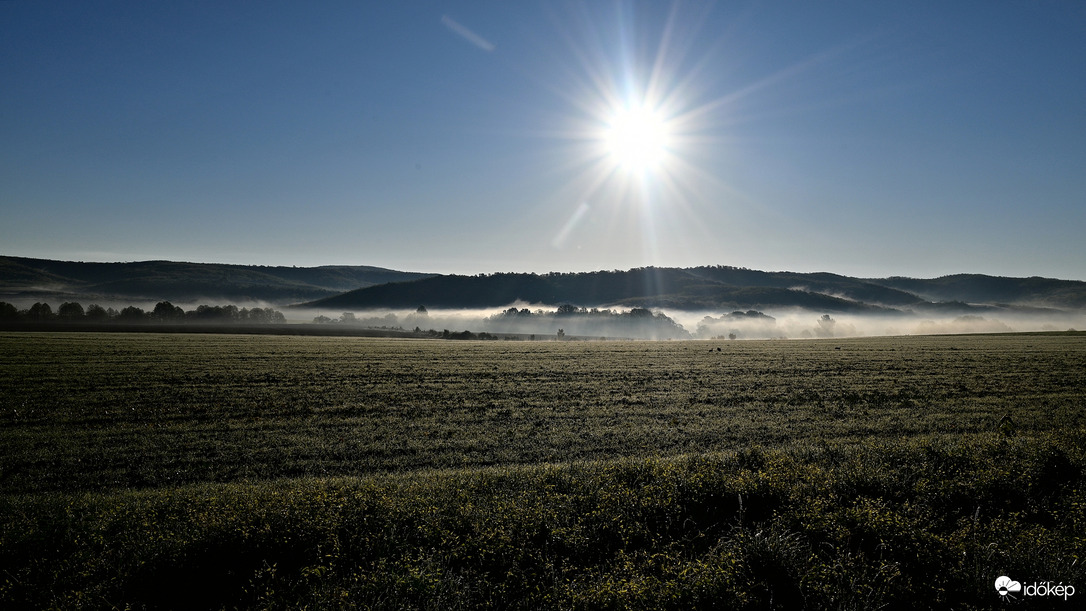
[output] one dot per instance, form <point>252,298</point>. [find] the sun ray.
<point>643,147</point>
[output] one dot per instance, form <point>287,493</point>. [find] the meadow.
<point>245,471</point>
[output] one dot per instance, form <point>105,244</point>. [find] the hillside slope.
<point>978,288</point>
<point>347,288</point>
<point>715,288</point>
<point>178,281</point>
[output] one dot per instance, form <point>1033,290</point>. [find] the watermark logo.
<point>1007,587</point>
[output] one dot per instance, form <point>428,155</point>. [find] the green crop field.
<point>244,471</point>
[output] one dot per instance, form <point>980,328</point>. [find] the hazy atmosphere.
<point>608,304</point>
<point>873,140</point>
<point>790,323</point>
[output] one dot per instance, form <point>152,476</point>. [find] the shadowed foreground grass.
<point>150,471</point>
<point>920,523</point>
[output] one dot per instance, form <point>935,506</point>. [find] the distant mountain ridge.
<point>359,288</point>
<point>978,288</point>
<point>25,278</point>
<point>718,288</point>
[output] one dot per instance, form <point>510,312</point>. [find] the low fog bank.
<point>541,321</point>
<point>567,321</point>
<point>806,324</point>
<point>536,321</point>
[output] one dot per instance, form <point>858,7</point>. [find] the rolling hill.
<point>42,279</point>
<point>718,288</point>
<point>977,288</point>
<point>359,288</point>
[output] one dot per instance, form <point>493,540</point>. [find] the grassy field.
<point>228,471</point>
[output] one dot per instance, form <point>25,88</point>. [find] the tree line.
<point>588,322</point>
<point>163,313</point>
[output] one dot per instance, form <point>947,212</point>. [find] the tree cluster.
<point>572,310</point>
<point>388,321</point>
<point>581,321</point>
<point>749,324</point>
<point>163,313</point>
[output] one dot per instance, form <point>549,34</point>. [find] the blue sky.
<point>863,138</point>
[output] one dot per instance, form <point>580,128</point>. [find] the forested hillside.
<point>719,288</point>
<point>178,281</point>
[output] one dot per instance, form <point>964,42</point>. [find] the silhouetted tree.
<point>8,311</point>
<point>132,314</point>
<point>228,313</point>
<point>826,325</point>
<point>167,312</point>
<point>40,311</point>
<point>96,313</point>
<point>261,316</point>
<point>70,311</point>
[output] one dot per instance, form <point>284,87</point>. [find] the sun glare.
<point>642,121</point>
<point>636,138</point>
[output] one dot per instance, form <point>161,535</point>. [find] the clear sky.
<point>863,138</point>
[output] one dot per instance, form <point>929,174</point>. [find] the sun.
<point>636,139</point>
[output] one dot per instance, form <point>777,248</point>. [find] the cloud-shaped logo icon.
<point>1005,585</point>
